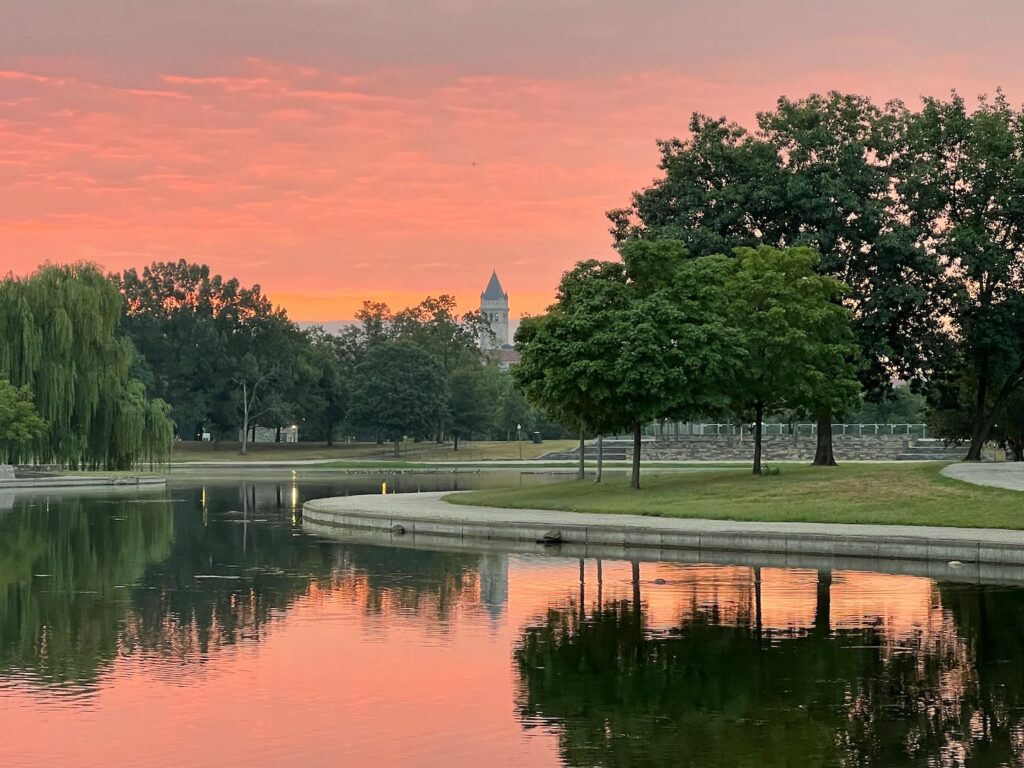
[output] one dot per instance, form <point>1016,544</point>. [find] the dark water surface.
<point>201,626</point>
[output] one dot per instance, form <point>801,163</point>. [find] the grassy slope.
<point>904,494</point>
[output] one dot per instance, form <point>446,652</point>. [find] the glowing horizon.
<point>335,151</point>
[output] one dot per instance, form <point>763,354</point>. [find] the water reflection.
<point>65,577</point>
<point>214,596</point>
<point>181,572</point>
<point>811,673</point>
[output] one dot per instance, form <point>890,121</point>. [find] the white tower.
<point>494,308</point>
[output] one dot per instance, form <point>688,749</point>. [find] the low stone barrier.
<point>413,515</point>
<point>775,448</point>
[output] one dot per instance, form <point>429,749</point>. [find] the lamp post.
<point>519,439</point>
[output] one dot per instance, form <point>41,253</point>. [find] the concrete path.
<point>1009,475</point>
<point>426,514</point>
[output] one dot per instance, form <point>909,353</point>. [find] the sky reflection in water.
<point>199,626</point>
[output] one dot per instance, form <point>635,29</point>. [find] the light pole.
<point>519,439</point>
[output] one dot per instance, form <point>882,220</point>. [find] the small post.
<point>384,488</point>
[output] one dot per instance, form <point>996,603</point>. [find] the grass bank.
<point>895,494</point>
<point>419,452</point>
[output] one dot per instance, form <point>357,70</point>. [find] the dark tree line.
<point>916,215</point>
<point>226,360</point>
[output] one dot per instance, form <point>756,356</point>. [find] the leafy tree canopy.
<point>59,337</point>
<point>20,423</point>
<point>796,336</point>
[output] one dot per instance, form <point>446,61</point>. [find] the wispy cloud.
<point>408,147</point>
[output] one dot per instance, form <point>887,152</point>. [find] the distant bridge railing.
<point>670,430</point>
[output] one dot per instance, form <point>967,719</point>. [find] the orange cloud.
<point>316,178</point>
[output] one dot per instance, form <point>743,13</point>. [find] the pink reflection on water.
<point>353,674</point>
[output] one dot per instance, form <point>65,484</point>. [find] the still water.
<point>201,626</point>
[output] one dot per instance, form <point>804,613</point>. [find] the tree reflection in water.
<point>177,575</point>
<point>729,692</point>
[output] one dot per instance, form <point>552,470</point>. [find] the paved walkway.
<point>427,514</point>
<point>1009,475</point>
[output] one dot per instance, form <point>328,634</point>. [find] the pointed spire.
<point>494,291</point>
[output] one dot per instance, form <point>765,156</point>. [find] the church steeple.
<point>494,308</point>
<point>494,291</point>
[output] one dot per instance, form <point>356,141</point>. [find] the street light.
<point>519,439</point>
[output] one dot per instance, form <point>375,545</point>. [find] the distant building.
<point>506,357</point>
<point>494,583</point>
<point>494,308</point>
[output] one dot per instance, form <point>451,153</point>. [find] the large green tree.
<point>435,326</point>
<point>568,365</point>
<point>964,193</point>
<point>448,338</point>
<point>20,423</point>
<point>205,339</point>
<point>820,172</point>
<point>628,342</point>
<point>322,398</point>
<point>59,335</point>
<point>397,390</point>
<point>796,335</point>
<point>271,370</point>
<point>473,392</point>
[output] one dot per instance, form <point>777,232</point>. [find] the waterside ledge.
<point>83,481</point>
<point>426,514</point>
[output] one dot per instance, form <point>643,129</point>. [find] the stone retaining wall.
<point>775,448</point>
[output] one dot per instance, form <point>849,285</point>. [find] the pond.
<point>202,625</point>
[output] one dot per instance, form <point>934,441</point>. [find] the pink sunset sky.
<point>336,150</point>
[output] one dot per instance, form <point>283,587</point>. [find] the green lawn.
<point>417,452</point>
<point>903,494</point>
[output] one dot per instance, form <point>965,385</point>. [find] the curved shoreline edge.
<point>412,515</point>
<point>128,481</point>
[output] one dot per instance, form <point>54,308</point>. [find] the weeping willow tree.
<point>58,336</point>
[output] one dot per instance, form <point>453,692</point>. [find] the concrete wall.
<point>775,448</point>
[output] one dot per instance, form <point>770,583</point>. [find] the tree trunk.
<point>583,591</point>
<point>600,458</point>
<point>823,455</point>
<point>245,417</point>
<point>637,602</point>
<point>455,437</point>
<point>581,470</point>
<point>758,419</point>
<point>758,623</point>
<point>330,435</point>
<point>277,437</point>
<point>980,425</point>
<point>634,481</point>
<point>396,445</point>
<point>979,436</point>
<point>823,604</point>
